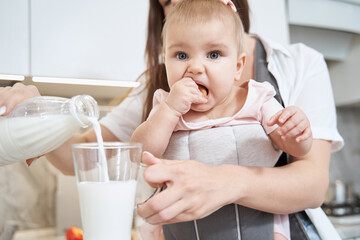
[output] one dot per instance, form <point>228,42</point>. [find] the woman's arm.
<point>296,186</point>
<point>195,190</point>
<point>62,157</point>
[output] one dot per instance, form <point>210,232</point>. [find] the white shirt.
<point>303,80</point>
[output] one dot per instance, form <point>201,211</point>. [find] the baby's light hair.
<point>202,11</point>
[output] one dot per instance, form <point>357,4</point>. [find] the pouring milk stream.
<point>41,124</point>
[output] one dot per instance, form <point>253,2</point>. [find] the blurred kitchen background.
<point>83,41</point>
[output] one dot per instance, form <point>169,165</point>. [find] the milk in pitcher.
<point>41,124</point>
<point>23,137</point>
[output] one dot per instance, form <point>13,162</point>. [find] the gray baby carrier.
<point>231,222</point>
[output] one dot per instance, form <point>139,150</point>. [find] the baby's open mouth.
<point>204,91</point>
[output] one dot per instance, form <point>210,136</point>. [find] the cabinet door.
<point>14,37</point>
<point>268,19</point>
<point>103,39</point>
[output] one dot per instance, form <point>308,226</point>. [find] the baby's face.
<point>205,52</point>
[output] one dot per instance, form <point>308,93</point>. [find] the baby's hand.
<point>293,123</point>
<point>184,93</point>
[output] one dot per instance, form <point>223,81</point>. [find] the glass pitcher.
<point>41,124</point>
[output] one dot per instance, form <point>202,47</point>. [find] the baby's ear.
<point>240,66</point>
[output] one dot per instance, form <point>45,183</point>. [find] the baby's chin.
<point>200,107</point>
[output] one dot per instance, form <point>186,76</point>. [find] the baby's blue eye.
<point>181,56</point>
<point>214,55</point>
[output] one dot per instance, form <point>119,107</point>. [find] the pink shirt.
<point>259,106</point>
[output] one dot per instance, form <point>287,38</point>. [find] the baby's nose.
<point>196,66</point>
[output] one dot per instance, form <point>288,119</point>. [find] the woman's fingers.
<point>174,204</point>
<point>167,212</point>
<point>32,160</point>
<point>167,204</point>
<point>8,101</point>
<point>149,159</point>
<point>151,210</point>
<point>157,172</point>
<point>2,110</point>
<point>11,96</point>
<point>192,191</point>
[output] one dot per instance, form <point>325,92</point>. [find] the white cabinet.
<point>268,19</point>
<point>103,39</point>
<point>328,26</point>
<point>14,37</point>
<point>332,27</point>
<point>328,14</point>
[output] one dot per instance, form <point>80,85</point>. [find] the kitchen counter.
<point>37,234</point>
<point>48,234</point>
<point>348,227</point>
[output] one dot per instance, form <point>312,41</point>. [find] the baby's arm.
<point>156,131</point>
<point>293,135</point>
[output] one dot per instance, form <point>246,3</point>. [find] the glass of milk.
<point>107,202</point>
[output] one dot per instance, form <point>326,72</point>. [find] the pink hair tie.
<point>230,3</point>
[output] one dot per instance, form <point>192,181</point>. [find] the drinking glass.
<point>107,188</point>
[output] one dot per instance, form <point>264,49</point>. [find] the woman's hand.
<point>194,190</point>
<point>10,96</point>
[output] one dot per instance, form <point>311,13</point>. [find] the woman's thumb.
<point>149,159</point>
